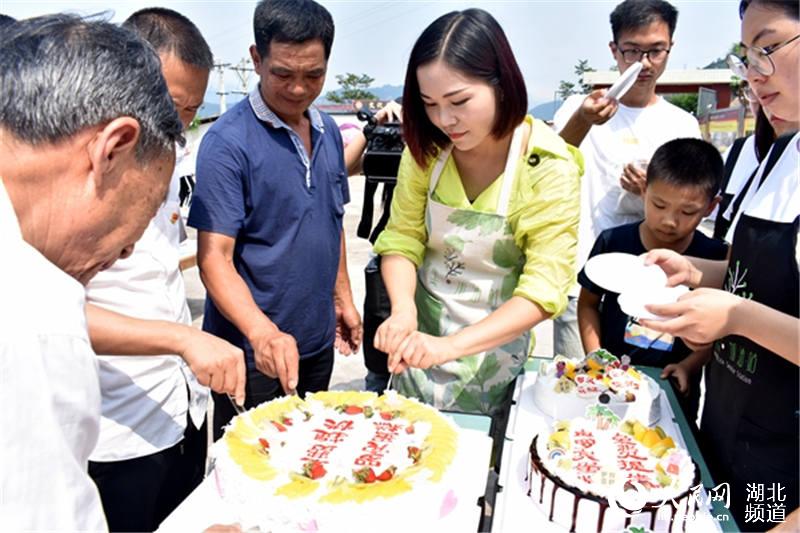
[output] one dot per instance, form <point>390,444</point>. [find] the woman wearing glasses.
<point>753,149</point>
<point>750,420</point>
<point>480,245</point>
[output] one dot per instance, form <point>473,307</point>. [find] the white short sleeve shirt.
<point>146,398</point>
<point>49,392</point>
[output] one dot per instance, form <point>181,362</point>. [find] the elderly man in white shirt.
<point>88,147</point>
<point>152,446</point>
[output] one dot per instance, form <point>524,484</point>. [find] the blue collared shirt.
<point>284,208</point>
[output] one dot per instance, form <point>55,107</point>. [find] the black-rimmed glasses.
<point>632,55</point>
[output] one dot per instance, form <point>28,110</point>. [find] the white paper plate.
<point>618,272</point>
<point>632,302</point>
<point>624,82</point>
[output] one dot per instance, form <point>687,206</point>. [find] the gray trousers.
<point>566,336</point>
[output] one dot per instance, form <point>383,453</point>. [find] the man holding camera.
<point>269,202</point>
<point>358,147</point>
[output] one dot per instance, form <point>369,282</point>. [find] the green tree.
<point>721,62</point>
<point>737,84</point>
<point>581,68</point>
<point>567,88</point>
<point>353,87</point>
<point>686,101</point>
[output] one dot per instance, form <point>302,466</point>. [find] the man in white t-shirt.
<point>153,438</point>
<point>88,146</point>
<point>618,138</point>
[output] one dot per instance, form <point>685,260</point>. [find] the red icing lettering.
<point>341,425</point>
<point>329,436</point>
<point>319,452</point>
<point>368,459</point>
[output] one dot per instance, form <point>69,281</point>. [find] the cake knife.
<point>236,407</point>
<point>389,383</point>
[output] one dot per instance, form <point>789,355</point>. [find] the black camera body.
<point>384,147</point>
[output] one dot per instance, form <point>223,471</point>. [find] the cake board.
<point>205,507</point>
<point>514,509</point>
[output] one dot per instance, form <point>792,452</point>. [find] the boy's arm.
<point>589,320</point>
<point>687,367</point>
<point>696,360</point>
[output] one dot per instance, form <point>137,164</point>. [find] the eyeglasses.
<point>758,58</point>
<point>632,55</point>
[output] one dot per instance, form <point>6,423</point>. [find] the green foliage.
<point>581,68</point>
<point>487,224</point>
<point>567,88</point>
<point>468,403</point>
<point>455,242</point>
<point>488,369</point>
<point>429,312</point>
<point>686,101</point>
<point>353,87</point>
<point>505,253</point>
<point>720,62</point>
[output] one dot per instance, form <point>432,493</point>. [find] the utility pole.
<point>220,68</point>
<point>243,71</point>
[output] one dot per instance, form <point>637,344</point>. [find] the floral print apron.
<point>471,267</point>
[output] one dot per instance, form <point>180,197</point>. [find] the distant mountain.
<point>546,110</point>
<point>210,108</point>
<point>387,92</point>
<point>384,92</point>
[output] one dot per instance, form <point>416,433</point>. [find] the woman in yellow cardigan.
<point>480,245</point>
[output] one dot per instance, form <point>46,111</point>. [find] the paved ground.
<point>348,372</point>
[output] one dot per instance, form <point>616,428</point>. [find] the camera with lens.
<point>384,147</point>
<point>380,165</point>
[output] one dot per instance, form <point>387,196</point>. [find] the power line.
<point>243,72</point>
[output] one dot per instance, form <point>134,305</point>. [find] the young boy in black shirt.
<point>682,180</point>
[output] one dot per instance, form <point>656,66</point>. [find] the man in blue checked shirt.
<point>269,202</point>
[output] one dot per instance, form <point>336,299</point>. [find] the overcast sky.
<point>375,37</point>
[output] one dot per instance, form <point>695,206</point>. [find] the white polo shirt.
<point>49,392</point>
<point>145,398</point>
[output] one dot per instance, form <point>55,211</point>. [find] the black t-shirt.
<point>613,320</point>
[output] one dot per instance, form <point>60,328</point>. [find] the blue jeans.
<point>376,382</point>
<point>314,375</point>
<point>566,335</point>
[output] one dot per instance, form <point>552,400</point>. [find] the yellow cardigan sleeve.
<point>545,222</point>
<point>405,232</point>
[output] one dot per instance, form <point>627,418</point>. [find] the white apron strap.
<point>438,168</point>
<point>510,172</point>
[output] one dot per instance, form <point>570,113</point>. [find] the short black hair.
<point>291,21</point>
<point>634,14</point>
<point>473,43</point>
<point>5,20</point>
<point>790,8</point>
<point>68,73</point>
<point>687,163</point>
<point>172,33</point>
